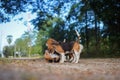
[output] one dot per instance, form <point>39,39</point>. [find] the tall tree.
<point>54,17</point>
<point>9,39</point>
<point>109,13</point>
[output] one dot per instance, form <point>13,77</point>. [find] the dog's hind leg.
<point>77,53</point>
<point>74,58</point>
<point>71,58</point>
<point>77,56</point>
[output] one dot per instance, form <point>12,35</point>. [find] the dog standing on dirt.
<point>72,47</point>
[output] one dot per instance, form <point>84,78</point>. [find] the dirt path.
<point>39,69</point>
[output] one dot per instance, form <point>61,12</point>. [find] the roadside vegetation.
<point>96,20</point>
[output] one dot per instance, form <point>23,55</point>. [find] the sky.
<point>14,28</point>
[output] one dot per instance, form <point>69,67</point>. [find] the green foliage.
<point>40,42</point>
<point>25,44</point>
<point>9,39</point>
<point>109,12</point>
<point>8,51</point>
<point>59,20</point>
<point>21,45</point>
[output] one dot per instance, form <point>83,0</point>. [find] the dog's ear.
<point>55,43</point>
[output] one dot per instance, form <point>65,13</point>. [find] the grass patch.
<point>5,60</point>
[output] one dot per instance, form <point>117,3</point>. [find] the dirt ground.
<point>39,69</point>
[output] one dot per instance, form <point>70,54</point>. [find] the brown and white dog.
<point>63,48</point>
<point>51,57</point>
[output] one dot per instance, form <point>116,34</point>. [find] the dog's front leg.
<point>62,58</point>
<point>77,53</point>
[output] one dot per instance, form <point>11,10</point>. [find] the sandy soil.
<point>39,69</point>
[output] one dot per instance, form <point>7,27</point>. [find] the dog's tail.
<point>78,35</point>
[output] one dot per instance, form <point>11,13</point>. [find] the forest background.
<point>98,22</point>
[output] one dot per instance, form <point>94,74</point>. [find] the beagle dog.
<point>63,48</point>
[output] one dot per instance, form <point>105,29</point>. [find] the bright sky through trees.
<point>14,28</point>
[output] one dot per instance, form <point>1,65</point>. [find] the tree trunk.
<point>86,32</point>
<point>96,33</point>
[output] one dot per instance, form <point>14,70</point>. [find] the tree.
<point>9,39</point>
<point>109,13</point>
<point>65,16</point>
<point>8,51</point>
<point>25,43</point>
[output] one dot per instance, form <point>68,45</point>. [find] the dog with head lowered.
<point>63,48</point>
<point>51,57</point>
